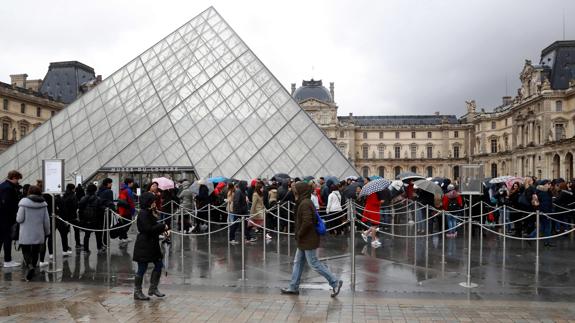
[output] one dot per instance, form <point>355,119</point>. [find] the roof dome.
<point>312,89</point>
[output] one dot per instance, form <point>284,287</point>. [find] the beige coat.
<point>257,207</point>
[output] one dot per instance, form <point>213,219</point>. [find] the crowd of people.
<point>274,205</point>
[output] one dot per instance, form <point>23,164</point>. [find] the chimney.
<point>436,113</point>
<point>331,90</point>
<point>292,88</point>
<point>19,80</point>
<point>351,114</point>
<point>507,100</point>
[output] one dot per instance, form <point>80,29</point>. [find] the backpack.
<point>319,225</point>
<point>89,215</point>
<point>452,205</point>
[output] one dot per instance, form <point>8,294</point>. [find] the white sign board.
<point>53,175</point>
<point>138,191</point>
<point>471,180</point>
<point>78,179</point>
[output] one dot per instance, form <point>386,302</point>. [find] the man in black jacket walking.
<point>9,198</point>
<point>240,206</point>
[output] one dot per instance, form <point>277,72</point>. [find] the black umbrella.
<point>280,176</point>
<point>409,175</point>
<point>308,178</point>
<point>349,191</point>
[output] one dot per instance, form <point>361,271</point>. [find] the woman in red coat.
<point>371,214</point>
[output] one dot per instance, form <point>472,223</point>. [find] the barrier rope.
<point>522,238</point>
<point>416,236</point>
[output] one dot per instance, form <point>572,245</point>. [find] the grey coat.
<point>34,220</point>
<point>186,196</point>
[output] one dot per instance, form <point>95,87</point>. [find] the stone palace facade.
<point>532,133</point>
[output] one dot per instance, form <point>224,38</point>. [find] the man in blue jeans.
<point>307,242</point>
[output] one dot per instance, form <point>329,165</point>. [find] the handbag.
<point>15,231</point>
<point>319,225</point>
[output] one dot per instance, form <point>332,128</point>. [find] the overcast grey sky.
<point>385,57</point>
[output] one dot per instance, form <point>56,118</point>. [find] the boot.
<point>154,281</point>
<point>138,294</point>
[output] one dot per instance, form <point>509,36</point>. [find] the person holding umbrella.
<point>147,247</point>
<point>371,212</point>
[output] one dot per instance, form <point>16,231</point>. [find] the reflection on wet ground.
<point>415,268</point>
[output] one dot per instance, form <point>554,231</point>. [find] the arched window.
<point>414,169</point>
<point>429,171</point>
<point>381,171</point>
<point>396,171</point>
<point>365,171</point>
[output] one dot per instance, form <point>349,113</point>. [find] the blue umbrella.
<point>218,179</point>
<point>374,186</point>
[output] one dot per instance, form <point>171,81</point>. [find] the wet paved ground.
<point>405,280</point>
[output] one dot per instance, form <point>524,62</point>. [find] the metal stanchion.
<point>172,221</point>
<point>182,236</point>
<point>209,231</point>
<point>426,240</point>
<point>480,232</point>
<point>351,219</point>
<point>289,229</point>
<point>264,234</point>
<point>243,248</point>
<point>504,232</point>
<point>537,230</point>
<point>278,205</point>
<point>107,234</point>
<point>468,283</point>
<point>415,238</point>
<point>54,237</point>
<point>443,236</point>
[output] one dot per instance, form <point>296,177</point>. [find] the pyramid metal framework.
<point>198,98</point>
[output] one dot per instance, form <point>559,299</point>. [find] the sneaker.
<point>376,244</point>
<point>67,253</point>
<point>253,239</point>
<point>11,264</point>
<point>50,257</point>
<point>43,264</point>
<point>268,236</point>
<point>410,222</point>
<point>287,291</point>
<point>233,242</point>
<point>335,290</point>
<point>364,236</point>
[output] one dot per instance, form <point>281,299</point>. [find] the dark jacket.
<point>91,211</point>
<point>67,206</point>
<point>240,196</point>
<point>107,197</point>
<point>305,219</point>
<point>545,199</point>
<point>147,246</point>
<point>9,198</point>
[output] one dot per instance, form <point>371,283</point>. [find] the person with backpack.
<point>307,240</point>
<point>92,210</point>
<point>126,209</point>
<point>452,203</point>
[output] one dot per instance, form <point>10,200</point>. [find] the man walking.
<point>307,242</point>
<point>9,198</point>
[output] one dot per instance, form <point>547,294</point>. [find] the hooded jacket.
<point>126,205</point>
<point>34,220</point>
<point>333,202</point>
<point>240,196</point>
<point>453,194</point>
<point>545,199</point>
<point>305,234</point>
<point>186,196</point>
<point>147,246</point>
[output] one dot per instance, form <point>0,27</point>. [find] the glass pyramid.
<point>198,98</point>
